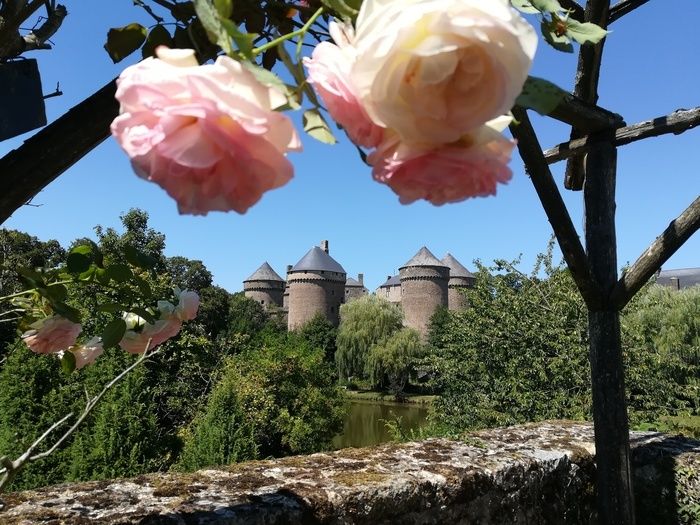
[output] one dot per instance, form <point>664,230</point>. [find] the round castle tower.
<point>460,279</point>
<point>264,286</point>
<point>424,281</point>
<point>316,285</point>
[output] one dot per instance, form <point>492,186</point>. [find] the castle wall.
<point>354,292</point>
<point>313,292</point>
<point>456,299</point>
<point>266,293</point>
<point>423,290</point>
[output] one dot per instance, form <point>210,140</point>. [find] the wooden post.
<point>614,483</point>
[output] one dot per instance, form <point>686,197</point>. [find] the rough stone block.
<point>539,473</point>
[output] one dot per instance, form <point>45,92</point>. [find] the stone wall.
<point>530,474</point>
<point>267,293</point>
<point>423,290</point>
<point>311,293</point>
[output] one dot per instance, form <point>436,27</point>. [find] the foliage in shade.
<point>320,333</point>
<point>520,352</point>
<point>391,361</point>
<point>277,400</point>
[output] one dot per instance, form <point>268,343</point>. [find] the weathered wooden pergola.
<point>591,155</point>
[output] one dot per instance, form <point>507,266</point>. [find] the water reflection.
<point>364,425</point>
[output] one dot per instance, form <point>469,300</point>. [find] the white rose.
<point>433,70</point>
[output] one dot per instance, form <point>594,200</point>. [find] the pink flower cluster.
<point>56,334</point>
<point>424,83</point>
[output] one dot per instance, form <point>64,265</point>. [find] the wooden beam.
<point>585,116</point>
<point>677,122</point>
<point>24,172</point>
<point>554,207</point>
<point>624,7</point>
<point>615,501</point>
<point>678,232</point>
<point>586,86</point>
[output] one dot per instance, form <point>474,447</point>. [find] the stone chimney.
<point>324,246</point>
<point>361,278</point>
<point>289,268</point>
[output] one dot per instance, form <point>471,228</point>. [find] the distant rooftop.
<point>424,257</point>
<point>264,273</point>
<point>392,281</point>
<point>456,267</point>
<point>317,260</point>
<point>687,277</point>
<point>353,283</point>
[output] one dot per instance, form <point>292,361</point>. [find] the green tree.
<point>364,322</point>
<point>276,400</point>
<point>188,274</point>
<point>390,362</point>
<point>320,333</point>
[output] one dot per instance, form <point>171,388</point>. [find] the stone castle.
<point>319,284</point>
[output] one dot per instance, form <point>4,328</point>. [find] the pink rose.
<point>87,353</point>
<point>159,332</point>
<point>454,172</point>
<point>207,134</point>
<point>433,70</point>
<point>51,335</point>
<point>329,71</point>
<point>187,306</point>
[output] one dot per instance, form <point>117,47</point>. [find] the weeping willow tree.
<point>364,323</point>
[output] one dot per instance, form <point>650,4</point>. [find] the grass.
<point>374,395</point>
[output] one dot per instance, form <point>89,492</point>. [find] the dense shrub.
<point>277,400</point>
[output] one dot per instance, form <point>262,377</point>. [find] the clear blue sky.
<point>651,68</point>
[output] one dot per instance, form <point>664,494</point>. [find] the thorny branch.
<point>11,468</point>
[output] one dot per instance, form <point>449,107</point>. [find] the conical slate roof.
<point>264,273</point>
<point>391,281</point>
<point>317,260</point>
<point>456,268</point>
<point>424,258</point>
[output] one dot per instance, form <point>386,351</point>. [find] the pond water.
<point>364,423</point>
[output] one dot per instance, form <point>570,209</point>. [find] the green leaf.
<point>343,7</point>
<point>77,262</point>
<point>584,33</point>
<point>524,6</point>
<point>110,308</point>
<point>138,258</point>
<point>316,126</point>
<point>211,21</point>
<point>68,363</point>
<point>552,35</point>
<point>102,276</point>
<point>62,309</point>
<point>158,36</point>
<point>142,312</point>
<point>122,41</point>
<point>83,249</point>
<point>243,40</point>
<point>119,272</point>
<point>541,95</point>
<point>224,7</point>
<point>143,286</point>
<point>57,292</point>
<point>33,278</point>
<point>546,6</point>
<point>181,38</point>
<point>113,333</point>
